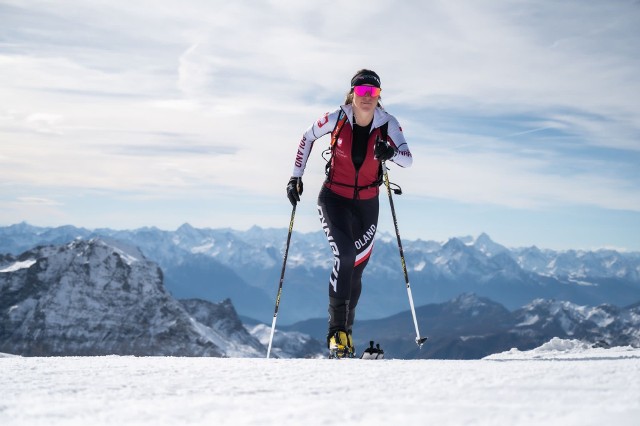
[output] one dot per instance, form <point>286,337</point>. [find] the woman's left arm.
<point>403,156</point>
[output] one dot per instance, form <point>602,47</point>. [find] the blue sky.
<point>522,116</point>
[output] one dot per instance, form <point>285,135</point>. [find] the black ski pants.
<point>350,226</point>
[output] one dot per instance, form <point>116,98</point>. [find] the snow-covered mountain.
<point>605,325</point>
<point>472,327</point>
<point>97,297</point>
<point>100,296</point>
<point>215,264</point>
<point>289,344</point>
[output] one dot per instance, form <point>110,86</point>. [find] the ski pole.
<point>284,264</point>
<point>419,340</point>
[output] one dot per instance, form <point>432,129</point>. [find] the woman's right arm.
<point>323,126</point>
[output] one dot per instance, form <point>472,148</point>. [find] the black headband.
<point>365,77</point>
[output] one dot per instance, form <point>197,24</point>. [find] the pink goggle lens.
<point>364,90</point>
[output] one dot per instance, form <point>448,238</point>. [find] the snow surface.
<point>571,385</point>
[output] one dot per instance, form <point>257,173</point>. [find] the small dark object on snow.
<point>373,353</point>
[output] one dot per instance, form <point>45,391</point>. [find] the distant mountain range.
<point>244,266</point>
<point>98,297</point>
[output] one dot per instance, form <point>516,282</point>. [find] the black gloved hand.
<point>383,151</point>
<point>294,190</point>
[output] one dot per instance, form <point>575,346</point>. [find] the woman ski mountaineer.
<point>363,135</point>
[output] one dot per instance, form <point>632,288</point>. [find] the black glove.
<point>294,190</point>
<point>383,151</point>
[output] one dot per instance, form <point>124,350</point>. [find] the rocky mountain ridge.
<point>93,297</point>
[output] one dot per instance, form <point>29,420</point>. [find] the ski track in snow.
<point>116,390</point>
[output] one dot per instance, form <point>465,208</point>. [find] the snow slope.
<point>568,349</point>
<point>513,389</point>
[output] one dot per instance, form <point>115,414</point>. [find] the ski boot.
<point>340,345</point>
<point>339,340</point>
<point>351,346</point>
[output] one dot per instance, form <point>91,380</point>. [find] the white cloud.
<point>37,201</point>
<point>513,181</point>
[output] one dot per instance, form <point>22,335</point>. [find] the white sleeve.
<point>318,129</point>
<point>403,157</point>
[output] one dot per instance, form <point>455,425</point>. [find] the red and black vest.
<point>342,176</point>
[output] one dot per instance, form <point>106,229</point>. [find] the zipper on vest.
<point>355,188</point>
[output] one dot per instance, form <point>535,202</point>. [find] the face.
<point>366,103</point>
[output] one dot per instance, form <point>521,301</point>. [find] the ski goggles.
<point>364,90</point>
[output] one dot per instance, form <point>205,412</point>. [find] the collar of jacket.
<point>380,116</point>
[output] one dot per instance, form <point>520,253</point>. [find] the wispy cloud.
<point>32,201</point>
